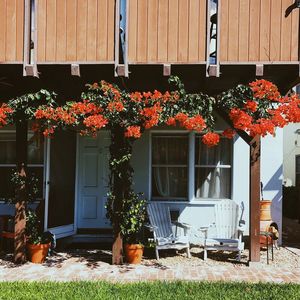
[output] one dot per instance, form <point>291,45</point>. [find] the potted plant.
<point>132,222</point>
<point>38,241</point>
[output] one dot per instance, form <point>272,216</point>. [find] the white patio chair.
<point>161,226</point>
<point>229,227</point>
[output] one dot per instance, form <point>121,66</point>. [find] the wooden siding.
<point>11,30</point>
<point>166,31</point>
<point>75,31</point>
<point>258,31</point>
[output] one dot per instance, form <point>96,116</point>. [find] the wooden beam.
<point>20,217</point>
<point>167,70</point>
<point>121,71</point>
<point>259,70</point>
<point>255,148</point>
<point>27,36</point>
<point>75,70</point>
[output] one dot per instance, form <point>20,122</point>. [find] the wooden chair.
<point>161,226</point>
<point>229,227</point>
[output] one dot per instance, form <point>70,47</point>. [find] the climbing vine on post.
<point>255,109</point>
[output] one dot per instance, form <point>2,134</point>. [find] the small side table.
<point>268,235</point>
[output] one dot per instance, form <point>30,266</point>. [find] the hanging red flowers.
<point>229,133</point>
<point>133,131</point>
<point>240,119</point>
<point>251,105</point>
<point>210,139</point>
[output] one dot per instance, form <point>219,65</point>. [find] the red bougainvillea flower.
<point>210,139</point>
<point>151,114</point>
<point>196,123</point>
<point>115,106</point>
<point>136,97</point>
<point>264,89</point>
<point>171,121</point>
<point>262,127</point>
<point>240,119</point>
<point>95,122</point>
<point>251,105</point>
<point>48,132</point>
<point>85,107</point>
<point>229,133</point>
<point>5,110</point>
<point>133,131</point>
<point>181,118</point>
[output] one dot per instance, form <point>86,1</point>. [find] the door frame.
<point>64,230</point>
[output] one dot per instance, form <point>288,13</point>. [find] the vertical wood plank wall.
<point>11,30</point>
<point>75,31</point>
<point>167,31</point>
<point>257,30</point>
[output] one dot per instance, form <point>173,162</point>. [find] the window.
<point>297,170</point>
<point>213,169</point>
<point>183,168</point>
<point>8,161</point>
<point>170,166</point>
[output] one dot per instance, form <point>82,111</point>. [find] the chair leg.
<point>156,253</point>
<point>188,252</point>
<point>239,256</point>
<point>205,254</point>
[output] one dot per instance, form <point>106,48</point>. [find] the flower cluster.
<point>133,131</point>
<point>263,89</point>
<point>229,133</point>
<point>241,120</point>
<point>5,110</point>
<point>211,139</point>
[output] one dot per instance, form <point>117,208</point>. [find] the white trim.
<point>191,170</point>
<point>150,166</point>
<point>76,184</point>
<point>62,231</point>
<point>47,178</point>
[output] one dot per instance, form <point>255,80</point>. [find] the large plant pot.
<point>134,253</point>
<point>265,210</point>
<point>38,253</point>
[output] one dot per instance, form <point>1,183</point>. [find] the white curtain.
<point>169,180</point>
<point>213,180</point>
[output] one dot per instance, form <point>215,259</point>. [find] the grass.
<point>155,290</point>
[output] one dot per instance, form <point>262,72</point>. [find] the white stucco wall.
<point>201,212</point>
<point>272,175</point>
<point>291,148</point>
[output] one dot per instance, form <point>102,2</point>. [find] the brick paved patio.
<point>93,265</point>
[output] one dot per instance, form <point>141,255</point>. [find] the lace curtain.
<point>170,166</point>
<point>213,170</point>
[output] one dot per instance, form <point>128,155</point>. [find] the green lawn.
<point>153,291</point>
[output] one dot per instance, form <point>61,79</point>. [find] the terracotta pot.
<point>134,253</point>
<point>265,210</point>
<point>37,253</point>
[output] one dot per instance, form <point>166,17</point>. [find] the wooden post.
<point>117,250</point>
<point>20,218</point>
<point>255,148</point>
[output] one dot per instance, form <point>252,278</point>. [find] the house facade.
<point>291,153</point>
<point>212,45</point>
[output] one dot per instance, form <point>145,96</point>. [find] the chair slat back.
<point>227,214</point>
<point>159,215</point>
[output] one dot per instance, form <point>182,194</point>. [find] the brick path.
<point>69,267</point>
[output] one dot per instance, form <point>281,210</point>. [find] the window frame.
<point>297,173</point>
<point>191,169</point>
<point>30,165</point>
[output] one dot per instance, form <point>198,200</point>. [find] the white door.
<point>93,181</point>
<point>60,184</point>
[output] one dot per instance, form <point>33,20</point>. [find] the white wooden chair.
<point>229,228</point>
<point>161,226</point>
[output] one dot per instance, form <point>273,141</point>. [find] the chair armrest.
<point>150,227</point>
<point>182,225</point>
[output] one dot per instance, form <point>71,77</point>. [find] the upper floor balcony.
<point>122,33</point>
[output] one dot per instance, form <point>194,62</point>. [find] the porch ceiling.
<point>59,79</point>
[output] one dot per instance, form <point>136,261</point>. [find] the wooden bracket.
<point>75,70</point>
<point>167,69</point>
<point>212,71</point>
<point>31,70</point>
<point>120,70</point>
<point>259,71</point>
